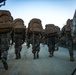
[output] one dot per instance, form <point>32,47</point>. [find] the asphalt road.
<point>59,64</point>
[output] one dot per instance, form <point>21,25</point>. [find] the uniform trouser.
<point>70,47</point>
<point>4,54</point>
<point>18,49</point>
<point>35,48</point>
<point>51,47</point>
<point>70,50</point>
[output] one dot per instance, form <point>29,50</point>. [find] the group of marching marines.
<point>16,31</point>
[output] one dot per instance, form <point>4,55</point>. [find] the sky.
<point>48,11</point>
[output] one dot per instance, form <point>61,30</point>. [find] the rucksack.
<point>50,29</point>
<point>35,25</point>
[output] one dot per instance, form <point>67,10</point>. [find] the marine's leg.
<point>38,50</point>
<point>71,58</point>
<point>70,48</point>
<point>71,54</point>
<point>16,53</point>
<point>37,54</point>
<point>34,51</point>
<point>20,52</point>
<point>4,58</point>
<point>51,51</point>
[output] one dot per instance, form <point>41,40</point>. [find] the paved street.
<point>45,65</point>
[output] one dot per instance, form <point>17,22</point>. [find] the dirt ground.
<point>45,65</point>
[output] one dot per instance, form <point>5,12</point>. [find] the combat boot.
<point>71,58</point>
<point>5,64</point>
<point>16,56</point>
<point>51,54</point>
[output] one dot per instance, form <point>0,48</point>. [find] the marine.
<point>69,44</point>
<point>18,39</point>
<point>4,47</point>
<point>35,41</point>
<point>51,44</point>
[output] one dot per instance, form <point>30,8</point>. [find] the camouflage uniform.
<point>51,44</point>
<point>4,46</point>
<point>35,41</point>
<point>18,39</point>
<point>69,44</point>
<point>57,40</point>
